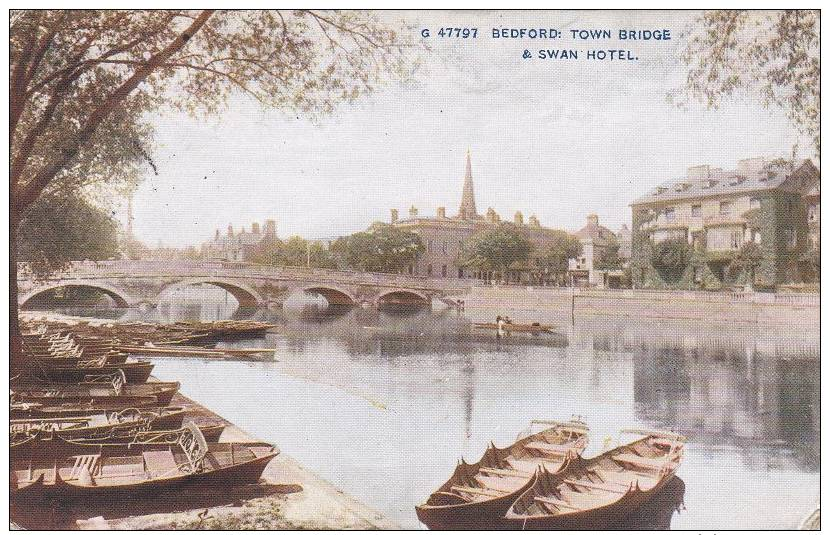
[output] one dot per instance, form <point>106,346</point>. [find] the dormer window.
<point>683,186</point>
<point>737,180</point>
<point>709,183</point>
<point>659,190</point>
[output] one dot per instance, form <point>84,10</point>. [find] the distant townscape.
<point>758,225</point>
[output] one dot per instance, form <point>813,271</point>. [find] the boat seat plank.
<point>547,447</point>
<point>595,486</point>
<point>552,501</point>
<point>505,472</point>
<point>500,484</point>
<point>644,462</point>
<point>479,491</point>
<point>160,462</point>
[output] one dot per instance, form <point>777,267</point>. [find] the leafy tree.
<point>608,257</point>
<point>83,85</point>
<point>497,249</point>
<point>555,256</point>
<point>771,55</point>
<point>59,229</point>
<point>294,252</point>
<point>745,262</point>
<point>381,248</point>
<point>670,258</point>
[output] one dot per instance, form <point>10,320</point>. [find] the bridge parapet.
<point>145,268</point>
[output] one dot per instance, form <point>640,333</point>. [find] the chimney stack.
<point>519,219</point>
<point>593,219</point>
<point>413,212</point>
<point>255,228</point>
<point>534,221</point>
<point>492,216</point>
<point>394,217</point>
<point>230,231</point>
<point>216,237</point>
<point>271,228</point>
<point>442,212</point>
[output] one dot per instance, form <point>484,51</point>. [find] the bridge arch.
<point>247,296</point>
<point>122,299</point>
<point>335,295</point>
<point>403,297</point>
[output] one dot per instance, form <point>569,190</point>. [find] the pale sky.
<point>558,139</point>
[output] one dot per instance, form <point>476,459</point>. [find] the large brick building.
<point>769,203</point>
<point>443,236</point>
<point>239,246</point>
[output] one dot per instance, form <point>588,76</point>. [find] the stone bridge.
<point>143,283</point>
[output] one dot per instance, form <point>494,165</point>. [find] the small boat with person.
<point>478,494</point>
<point>598,493</point>
<point>533,328</point>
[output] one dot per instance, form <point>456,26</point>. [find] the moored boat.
<point>477,495</point>
<point>97,424</point>
<point>98,471</point>
<point>601,492</point>
<point>105,391</point>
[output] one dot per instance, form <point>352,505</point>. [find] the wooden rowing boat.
<point>477,495</point>
<point>122,436</point>
<point>517,327</point>
<point>56,410</point>
<point>600,492</point>
<point>98,424</point>
<point>134,371</point>
<point>105,472</point>
<point>106,391</point>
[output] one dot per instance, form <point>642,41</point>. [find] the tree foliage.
<point>555,256</point>
<point>82,82</point>
<point>59,229</point>
<point>770,55</point>
<point>670,258</point>
<point>381,248</point>
<point>745,262</point>
<point>607,257</point>
<point>496,249</point>
<point>294,252</point>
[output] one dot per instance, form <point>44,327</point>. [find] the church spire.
<point>467,210</point>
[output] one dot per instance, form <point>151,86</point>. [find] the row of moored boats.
<point>85,421</point>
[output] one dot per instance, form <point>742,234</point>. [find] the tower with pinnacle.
<point>467,210</point>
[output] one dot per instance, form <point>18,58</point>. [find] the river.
<point>384,403</point>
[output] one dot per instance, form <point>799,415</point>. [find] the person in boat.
<point>499,327</point>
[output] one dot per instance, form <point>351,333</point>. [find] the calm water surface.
<point>383,404</point>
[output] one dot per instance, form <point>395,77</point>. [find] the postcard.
<point>403,270</point>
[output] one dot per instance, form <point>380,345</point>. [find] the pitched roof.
<point>751,175</point>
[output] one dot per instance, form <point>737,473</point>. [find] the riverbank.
<point>288,496</point>
<point>707,307</point>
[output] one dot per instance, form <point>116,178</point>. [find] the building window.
<point>409,269</point>
<point>429,270</point>
<point>736,238</point>
<point>695,210</point>
<point>460,273</point>
<point>756,236</point>
<point>754,202</point>
<point>444,270</point>
<point>790,237</point>
<point>429,246</point>
<point>725,208</point>
<point>444,247</point>
<point>669,213</point>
